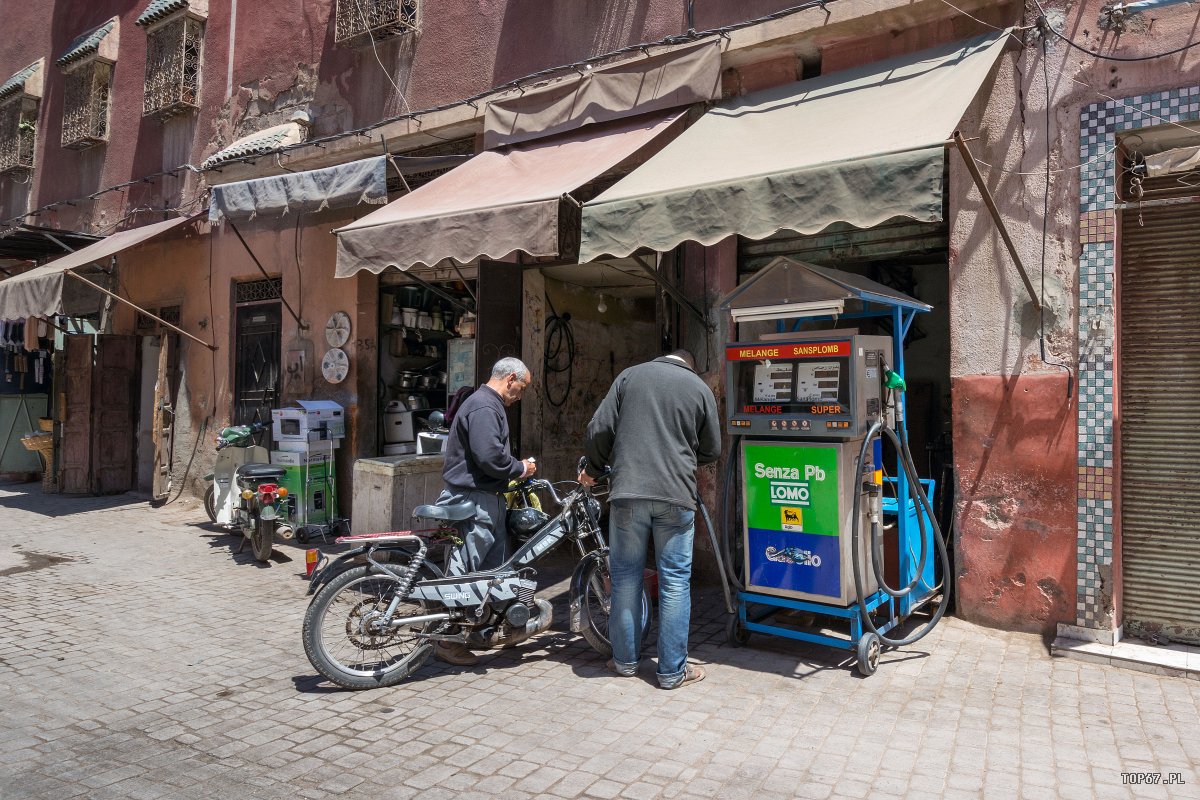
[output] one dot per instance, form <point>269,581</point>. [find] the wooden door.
<point>164,417</point>
<point>75,404</point>
<point>498,330</point>
<point>114,414</point>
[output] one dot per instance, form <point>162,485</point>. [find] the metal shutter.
<point>1160,419</point>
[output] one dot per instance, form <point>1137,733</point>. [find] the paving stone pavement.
<point>140,658</point>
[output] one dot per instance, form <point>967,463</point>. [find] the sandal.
<point>691,674</point>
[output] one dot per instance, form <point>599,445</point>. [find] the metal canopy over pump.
<point>788,288</point>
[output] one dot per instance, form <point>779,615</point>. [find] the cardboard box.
<point>313,420</point>
<point>291,458</point>
<point>314,444</point>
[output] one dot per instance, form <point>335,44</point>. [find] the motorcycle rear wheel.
<point>597,602</point>
<point>340,648</point>
<point>262,538</point>
<point>210,503</point>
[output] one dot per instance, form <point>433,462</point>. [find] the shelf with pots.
<point>421,334</point>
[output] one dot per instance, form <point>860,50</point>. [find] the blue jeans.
<point>631,524</point>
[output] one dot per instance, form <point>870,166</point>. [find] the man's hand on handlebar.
<point>530,468</point>
<point>585,479</point>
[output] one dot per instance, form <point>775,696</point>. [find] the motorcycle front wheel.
<point>340,642</point>
<point>210,503</point>
<point>597,605</point>
<point>262,538</point>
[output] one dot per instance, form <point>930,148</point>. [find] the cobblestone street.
<point>141,658</point>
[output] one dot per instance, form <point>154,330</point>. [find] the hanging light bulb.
<point>602,306</point>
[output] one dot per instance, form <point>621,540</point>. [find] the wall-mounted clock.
<point>337,329</point>
<point>335,366</point>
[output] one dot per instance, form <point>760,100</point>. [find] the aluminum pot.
<point>427,382</point>
<point>406,381</point>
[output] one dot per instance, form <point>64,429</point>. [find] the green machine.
<point>810,405</point>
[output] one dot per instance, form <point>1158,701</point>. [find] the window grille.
<point>85,105</point>
<point>18,134</point>
<point>257,291</point>
<point>173,51</point>
<point>380,18</point>
<point>148,325</point>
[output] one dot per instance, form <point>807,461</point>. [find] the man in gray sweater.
<point>657,424</point>
<point>479,464</point>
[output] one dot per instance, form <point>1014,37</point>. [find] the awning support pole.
<point>675,294</point>
<point>990,202</point>
<point>299,323</point>
<point>140,310</point>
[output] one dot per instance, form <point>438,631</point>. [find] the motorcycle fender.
<point>268,513</point>
<point>209,476</point>
<point>577,622</point>
<point>325,574</point>
<point>349,559</point>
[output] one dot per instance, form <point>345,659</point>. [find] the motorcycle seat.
<point>455,513</point>
<point>261,472</point>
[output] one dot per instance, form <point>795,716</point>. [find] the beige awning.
<point>668,79</point>
<point>39,292</point>
<point>493,205</point>
<point>860,146</point>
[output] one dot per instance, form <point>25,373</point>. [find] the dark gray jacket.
<point>478,455</point>
<point>658,422</point>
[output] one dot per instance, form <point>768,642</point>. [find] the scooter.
<point>377,610</point>
<point>244,494</point>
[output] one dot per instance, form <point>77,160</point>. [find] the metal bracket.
<point>675,294</point>
<point>990,202</point>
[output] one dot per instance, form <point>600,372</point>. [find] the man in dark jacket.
<point>657,424</point>
<point>479,464</point>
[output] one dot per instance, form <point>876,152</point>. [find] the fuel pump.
<point>809,412</point>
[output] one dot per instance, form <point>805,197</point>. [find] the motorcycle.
<point>244,494</point>
<point>377,610</point>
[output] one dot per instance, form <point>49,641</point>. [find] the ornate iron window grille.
<point>257,291</point>
<point>173,67</point>
<point>379,18</point>
<point>148,325</point>
<point>18,134</point>
<point>85,105</point>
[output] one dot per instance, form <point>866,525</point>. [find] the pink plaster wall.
<point>1014,450</point>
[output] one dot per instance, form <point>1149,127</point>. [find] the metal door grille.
<point>257,367</point>
<point>1159,405</point>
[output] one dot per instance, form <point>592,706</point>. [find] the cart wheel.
<point>735,632</point>
<point>869,648</point>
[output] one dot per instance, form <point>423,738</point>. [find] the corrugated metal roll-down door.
<point>1160,420</point>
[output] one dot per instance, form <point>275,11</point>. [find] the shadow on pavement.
<point>29,497</point>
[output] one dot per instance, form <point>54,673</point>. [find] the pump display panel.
<point>825,389</point>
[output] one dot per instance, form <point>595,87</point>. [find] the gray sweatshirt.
<point>658,422</point>
<point>477,449</point>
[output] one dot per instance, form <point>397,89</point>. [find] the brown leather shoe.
<point>455,653</point>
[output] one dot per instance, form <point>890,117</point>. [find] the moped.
<point>377,610</point>
<point>244,494</point>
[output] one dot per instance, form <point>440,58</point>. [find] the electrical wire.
<point>1045,22</point>
<point>1045,235</point>
<point>560,339</point>
<point>386,72</point>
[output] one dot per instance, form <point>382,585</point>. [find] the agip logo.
<point>791,519</point>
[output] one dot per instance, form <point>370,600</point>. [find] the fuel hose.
<point>925,510</point>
